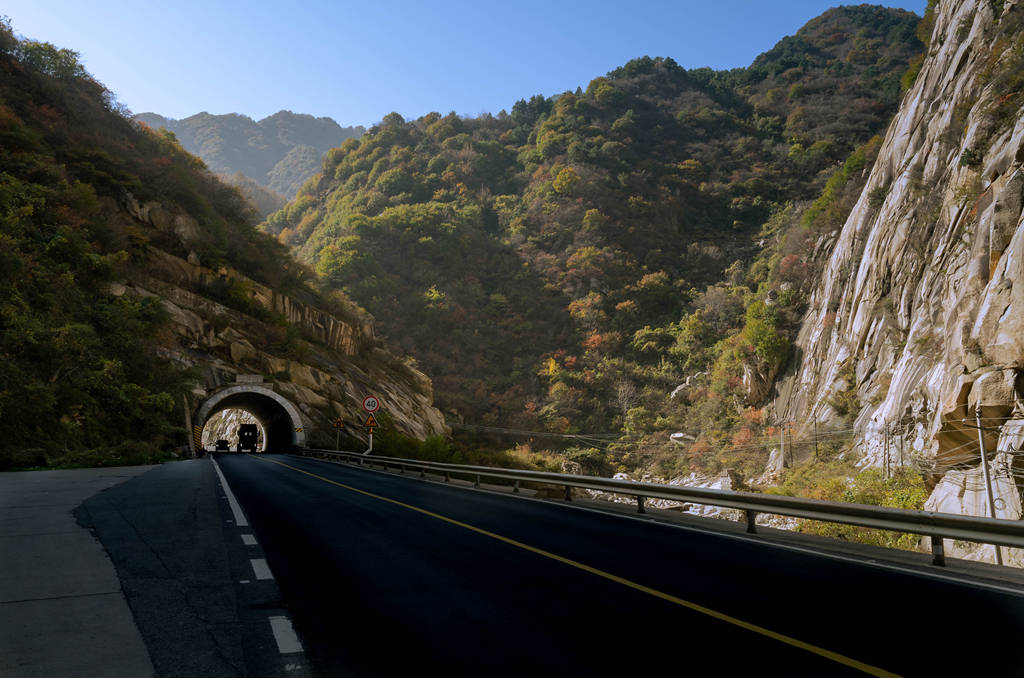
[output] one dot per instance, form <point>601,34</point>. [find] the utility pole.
<point>815,438</point>
<point>903,432</point>
<point>782,443</point>
<point>988,479</point>
<point>885,445</point>
<point>792,438</point>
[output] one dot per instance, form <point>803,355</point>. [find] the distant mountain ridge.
<point>278,152</point>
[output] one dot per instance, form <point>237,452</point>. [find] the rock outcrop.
<point>225,325</point>
<point>927,288</point>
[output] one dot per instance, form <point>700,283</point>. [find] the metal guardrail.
<point>938,526</point>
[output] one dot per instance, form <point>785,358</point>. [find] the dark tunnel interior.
<point>278,426</point>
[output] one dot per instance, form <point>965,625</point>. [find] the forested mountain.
<point>566,265</point>
<point>101,221</point>
<point>278,152</point>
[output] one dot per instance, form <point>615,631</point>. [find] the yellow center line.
<point>782,638</point>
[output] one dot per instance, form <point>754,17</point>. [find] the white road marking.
<point>248,540</point>
<point>284,634</point>
<point>260,568</point>
<point>240,519</point>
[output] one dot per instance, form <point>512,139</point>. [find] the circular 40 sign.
<point>371,404</point>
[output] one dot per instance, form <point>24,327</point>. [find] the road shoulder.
<point>62,609</point>
<point>187,574</point>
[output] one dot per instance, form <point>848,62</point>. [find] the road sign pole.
<point>370,448</point>
<point>337,440</point>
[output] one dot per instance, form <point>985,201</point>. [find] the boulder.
<point>994,394</point>
<point>186,228</point>
<point>160,218</point>
<point>185,322</point>
<point>774,469</point>
<point>305,375</point>
<point>572,467</point>
<point>242,352</point>
<point>758,380</point>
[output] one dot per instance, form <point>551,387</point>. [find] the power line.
<point>538,434</point>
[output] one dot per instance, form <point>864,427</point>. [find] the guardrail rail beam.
<point>936,526</point>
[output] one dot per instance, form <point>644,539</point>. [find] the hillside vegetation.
<point>81,377</point>
<point>566,265</point>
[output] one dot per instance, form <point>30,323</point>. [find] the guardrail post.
<point>401,469</point>
<point>938,552</point>
<point>447,477</point>
<point>515,487</point>
<point>423,473</point>
<point>640,504</point>
<point>385,466</point>
<point>568,493</point>
<point>476,481</point>
<point>751,521</point>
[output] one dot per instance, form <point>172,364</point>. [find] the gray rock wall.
<point>928,289</point>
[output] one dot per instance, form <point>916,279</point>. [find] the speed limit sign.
<point>371,404</point>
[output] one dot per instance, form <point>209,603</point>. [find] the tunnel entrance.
<point>226,425</point>
<point>279,420</point>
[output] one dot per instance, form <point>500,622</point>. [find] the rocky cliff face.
<point>927,285</point>
<point>224,426</point>
<point>225,325</point>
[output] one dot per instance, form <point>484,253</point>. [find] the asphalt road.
<point>187,578</point>
<point>391,576</point>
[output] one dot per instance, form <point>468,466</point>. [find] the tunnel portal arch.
<point>282,423</point>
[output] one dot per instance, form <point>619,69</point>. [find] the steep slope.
<point>133,284</point>
<point>554,249</point>
<point>278,152</point>
<point>918,317</point>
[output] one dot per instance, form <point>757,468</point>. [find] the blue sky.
<point>356,62</point>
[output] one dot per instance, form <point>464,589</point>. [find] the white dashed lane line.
<point>284,634</point>
<point>236,510</point>
<point>260,568</point>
